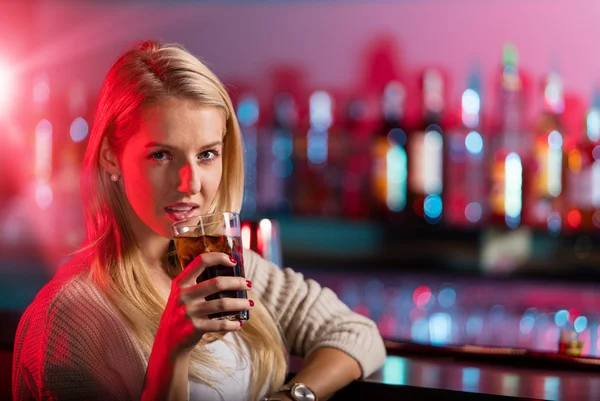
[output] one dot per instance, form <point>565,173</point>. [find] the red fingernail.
<point>249,283</point>
<point>251,303</point>
<point>232,259</point>
<point>241,323</point>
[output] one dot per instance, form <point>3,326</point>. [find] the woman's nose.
<point>189,179</point>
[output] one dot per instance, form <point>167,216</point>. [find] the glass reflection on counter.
<point>394,370</point>
<point>431,310</point>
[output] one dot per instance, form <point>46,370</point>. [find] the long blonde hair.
<point>145,76</point>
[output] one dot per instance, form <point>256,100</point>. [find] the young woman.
<point>121,320</point>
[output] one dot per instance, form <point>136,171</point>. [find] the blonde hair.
<point>143,77</point>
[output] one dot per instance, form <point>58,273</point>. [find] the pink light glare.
<point>538,32</point>
<point>7,87</point>
<point>246,236</point>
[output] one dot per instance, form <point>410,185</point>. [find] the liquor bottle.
<point>310,157</point>
<point>312,160</point>
<point>248,112</point>
<point>60,146</point>
<point>389,157</point>
<point>509,146</point>
<point>425,150</point>
<point>545,202</point>
<point>338,148</point>
<point>277,146</point>
<point>583,174</point>
<point>357,128</point>
<point>78,119</point>
<point>593,167</point>
<point>465,191</point>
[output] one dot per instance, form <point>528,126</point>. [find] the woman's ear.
<point>108,159</point>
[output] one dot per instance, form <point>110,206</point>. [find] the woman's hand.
<point>185,318</point>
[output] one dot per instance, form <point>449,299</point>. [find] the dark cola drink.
<point>190,247</point>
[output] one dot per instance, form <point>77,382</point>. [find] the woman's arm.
<point>314,323</point>
<point>325,371</point>
<point>166,376</point>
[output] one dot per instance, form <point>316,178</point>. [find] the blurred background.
<point>436,163</point>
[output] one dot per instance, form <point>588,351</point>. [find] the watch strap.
<point>288,388</point>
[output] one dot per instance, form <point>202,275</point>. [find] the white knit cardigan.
<point>72,345</point>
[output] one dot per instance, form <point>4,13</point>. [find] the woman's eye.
<point>208,155</point>
<point>160,155</point>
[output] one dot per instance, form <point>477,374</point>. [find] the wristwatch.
<point>298,392</point>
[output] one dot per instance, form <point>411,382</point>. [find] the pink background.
<point>328,40</point>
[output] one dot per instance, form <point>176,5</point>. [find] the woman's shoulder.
<point>67,298</point>
<point>269,279</point>
<point>71,285</point>
<point>71,330</point>
<point>70,309</point>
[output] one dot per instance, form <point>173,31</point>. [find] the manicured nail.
<point>251,302</point>
<point>241,323</point>
<point>232,259</point>
<point>249,283</point>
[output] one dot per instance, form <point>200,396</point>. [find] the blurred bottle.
<point>357,129</point>
<point>583,174</point>
<point>569,342</point>
<point>545,204</point>
<point>314,196</point>
<point>277,146</point>
<point>60,143</point>
<point>248,112</point>
<point>338,153</point>
<point>425,150</point>
<point>66,181</point>
<point>27,170</point>
<point>465,189</point>
<point>509,146</point>
<point>389,182</point>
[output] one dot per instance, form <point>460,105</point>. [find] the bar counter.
<point>422,372</point>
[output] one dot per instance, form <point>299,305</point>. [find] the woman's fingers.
<point>214,325</point>
<point>189,274</point>
<point>220,305</point>
<point>206,288</point>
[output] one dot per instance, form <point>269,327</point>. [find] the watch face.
<point>302,393</point>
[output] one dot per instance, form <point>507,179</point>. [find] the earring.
<point>114,177</point>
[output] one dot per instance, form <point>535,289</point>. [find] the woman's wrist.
<point>167,373</point>
<point>179,353</point>
<point>166,348</point>
<point>180,356</point>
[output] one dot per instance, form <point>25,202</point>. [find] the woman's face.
<point>172,166</point>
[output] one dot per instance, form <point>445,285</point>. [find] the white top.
<point>233,380</point>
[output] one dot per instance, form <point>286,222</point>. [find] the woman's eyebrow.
<point>164,145</point>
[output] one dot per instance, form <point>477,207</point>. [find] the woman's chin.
<point>163,230</point>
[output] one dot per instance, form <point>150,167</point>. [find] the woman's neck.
<point>153,246</point>
<point>155,251</point>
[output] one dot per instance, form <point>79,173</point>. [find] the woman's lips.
<point>181,213</point>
